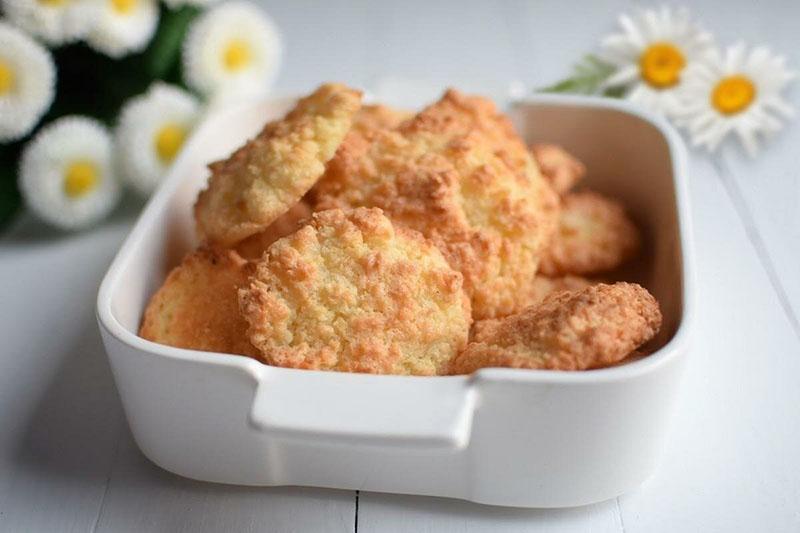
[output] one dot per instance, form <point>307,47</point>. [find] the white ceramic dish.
<point>500,436</point>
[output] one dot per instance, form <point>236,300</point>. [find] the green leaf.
<point>90,83</point>
<point>93,84</point>
<point>165,49</point>
<point>10,198</point>
<point>587,77</point>
<point>614,92</point>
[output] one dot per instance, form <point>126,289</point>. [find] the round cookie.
<point>560,168</point>
<point>378,116</point>
<point>351,292</point>
<point>594,235</point>
<point>544,287</point>
<point>570,330</point>
<point>197,306</point>
<point>263,179</point>
<point>541,288</point>
<point>458,173</point>
<point>254,246</point>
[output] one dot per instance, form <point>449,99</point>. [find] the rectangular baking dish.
<point>505,437</point>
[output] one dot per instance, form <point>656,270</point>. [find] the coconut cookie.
<point>351,292</point>
<point>197,307</point>
<point>570,330</point>
<point>594,235</point>
<point>541,288</point>
<point>253,247</point>
<point>379,116</point>
<point>457,173</point>
<point>560,168</point>
<point>264,178</point>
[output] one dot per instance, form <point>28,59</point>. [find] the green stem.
<point>587,77</point>
<point>164,51</point>
<point>10,198</point>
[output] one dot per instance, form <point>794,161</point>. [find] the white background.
<point>67,461</point>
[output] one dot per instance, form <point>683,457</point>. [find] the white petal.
<point>713,136</point>
<point>638,94</point>
<point>141,119</point>
<point>633,32</point>
<point>734,58</point>
<point>748,140</point>
<point>117,34</point>
<point>702,121</point>
<point>55,23</point>
<point>653,28</point>
<point>22,107</point>
<point>620,48</point>
<point>212,32</point>
<point>41,176</point>
<point>707,126</point>
<point>779,105</point>
<point>173,4</point>
<point>623,76</point>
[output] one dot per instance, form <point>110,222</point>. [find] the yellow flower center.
<point>733,94</point>
<point>123,7</point>
<point>53,3</point>
<point>7,77</point>
<point>661,65</point>
<point>237,55</point>
<point>80,178</point>
<point>169,140</point>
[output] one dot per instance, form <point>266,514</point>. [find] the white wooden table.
<point>67,461</point>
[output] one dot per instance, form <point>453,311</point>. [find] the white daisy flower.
<point>175,4</point>
<point>55,22</point>
<point>735,92</point>
<point>234,47</point>
<point>651,53</point>
<point>123,26</point>
<point>27,83</point>
<point>151,131</point>
<point>67,173</point>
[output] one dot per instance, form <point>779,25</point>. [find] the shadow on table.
<point>78,452</point>
<point>444,514</point>
<point>28,230</point>
<point>77,440</point>
<point>174,503</point>
<point>76,424</point>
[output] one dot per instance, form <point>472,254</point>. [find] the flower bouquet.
<point>666,62</point>
<point>97,96</point>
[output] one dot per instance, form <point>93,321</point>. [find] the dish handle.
<point>360,410</point>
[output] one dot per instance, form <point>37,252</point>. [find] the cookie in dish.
<point>197,307</point>
<point>269,174</point>
<point>349,291</point>
<point>570,330</point>
<point>459,174</point>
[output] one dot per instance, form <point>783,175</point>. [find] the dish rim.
<point>673,348</point>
